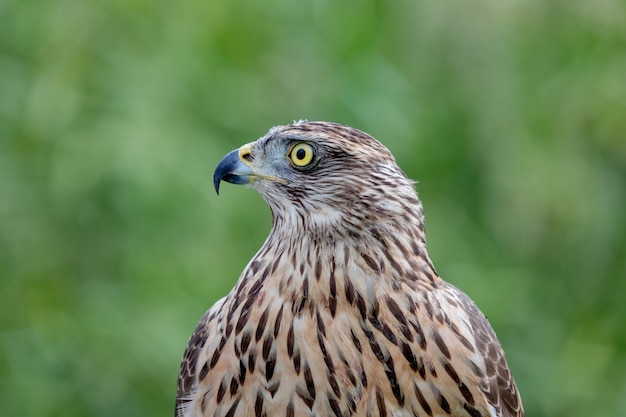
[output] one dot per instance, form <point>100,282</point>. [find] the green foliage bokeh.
<point>113,114</point>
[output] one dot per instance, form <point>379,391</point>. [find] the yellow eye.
<point>301,154</point>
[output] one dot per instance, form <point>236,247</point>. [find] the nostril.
<point>245,153</point>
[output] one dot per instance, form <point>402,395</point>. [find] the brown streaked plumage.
<point>341,312</point>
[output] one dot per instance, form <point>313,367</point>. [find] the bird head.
<point>325,173</point>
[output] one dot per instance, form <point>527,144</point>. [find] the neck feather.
<point>338,267</point>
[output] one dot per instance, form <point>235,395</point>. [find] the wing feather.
<point>188,373</point>
<point>500,390</point>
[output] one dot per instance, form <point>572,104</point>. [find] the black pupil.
<point>300,154</point>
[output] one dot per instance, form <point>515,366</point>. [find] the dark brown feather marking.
<point>373,344</point>
<point>421,368</point>
<point>204,371</point>
<point>234,386</point>
<point>356,341</point>
<point>237,350</point>
<point>406,332</point>
<point>255,288</point>
<point>385,249</point>
<point>258,405</point>
<point>450,371</point>
<point>242,371</point>
<point>466,393</point>
<point>233,408</point>
<point>296,362</point>
<point>327,359</point>
<point>349,290</point>
<point>204,402</point>
<point>304,395</point>
<point>389,334</point>
<point>371,262</point>
<point>395,310</point>
<point>465,343</point>
<point>308,379</point>
<point>433,370</point>
<point>380,403</point>
<point>321,327</point>
<point>332,381</point>
<point>443,403</point>
<point>429,309</point>
<point>347,368</point>
<point>229,329</point>
<point>334,406</point>
<point>305,295</point>
<point>472,411</point>
<point>267,346</point>
<point>279,318</point>
<point>269,367</point>
<point>423,403</point>
<point>351,403</point>
<point>440,343</point>
<point>375,322</point>
<point>427,272</point>
<point>332,298</point>
<point>246,337</point>
<point>290,340</point>
<point>251,360</point>
<point>393,381</point>
<point>421,340</point>
<point>318,270</point>
<point>363,376</point>
<point>404,251</point>
<point>360,303</point>
<point>475,369</point>
<point>215,357</point>
<point>276,263</point>
<point>290,410</point>
<point>221,391</point>
<point>254,266</point>
<point>261,324</point>
<point>407,352</point>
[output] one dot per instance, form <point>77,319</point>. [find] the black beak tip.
<point>216,183</point>
<point>225,170</point>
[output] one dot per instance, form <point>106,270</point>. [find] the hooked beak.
<point>234,168</point>
<point>238,167</point>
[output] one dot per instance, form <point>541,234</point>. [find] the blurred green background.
<point>113,115</point>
